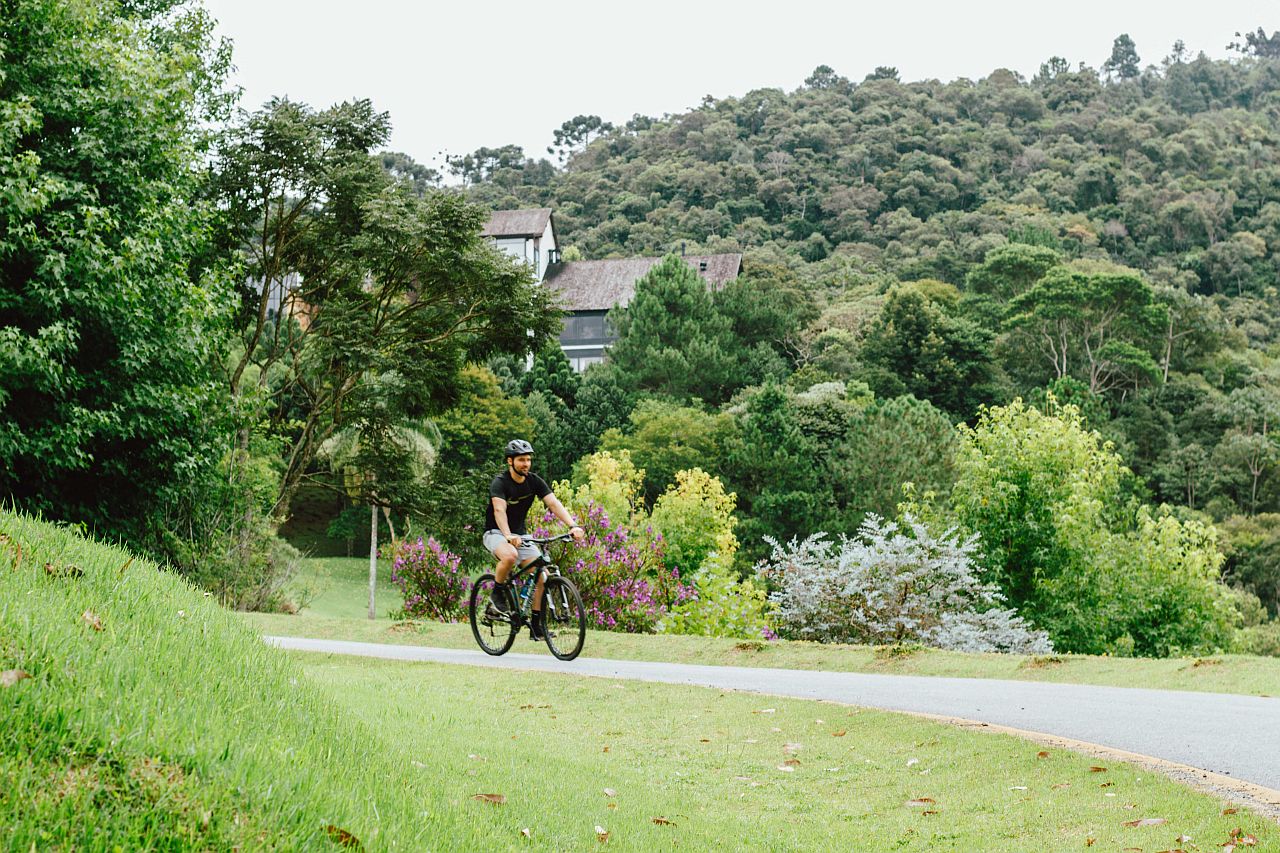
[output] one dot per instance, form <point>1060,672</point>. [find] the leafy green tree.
<point>695,517</point>
<point>671,340</point>
<point>576,134</point>
<point>1091,325</point>
<point>914,347</point>
<point>889,443</point>
<point>475,430</point>
<point>664,439</point>
<point>1123,62</point>
<point>111,321</point>
<point>767,311</point>
<point>769,466</point>
<point>1011,270</point>
<point>390,284</point>
<point>602,404</point>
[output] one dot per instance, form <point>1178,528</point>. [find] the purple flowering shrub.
<point>431,580</point>
<point>624,584</point>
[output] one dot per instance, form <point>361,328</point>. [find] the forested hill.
<point>1174,169</point>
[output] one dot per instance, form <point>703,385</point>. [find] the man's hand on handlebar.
<point>577,533</point>
<point>514,539</point>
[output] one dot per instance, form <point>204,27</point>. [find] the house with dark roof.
<point>587,290</point>
<point>529,235</point>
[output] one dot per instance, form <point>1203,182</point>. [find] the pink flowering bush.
<point>624,584</point>
<point>431,580</point>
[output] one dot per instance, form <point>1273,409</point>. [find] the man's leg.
<point>501,598</point>
<point>537,629</point>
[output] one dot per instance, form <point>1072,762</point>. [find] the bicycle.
<point>564,619</point>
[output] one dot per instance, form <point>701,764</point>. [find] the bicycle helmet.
<point>519,447</point>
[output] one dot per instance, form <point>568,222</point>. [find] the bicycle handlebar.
<point>548,539</point>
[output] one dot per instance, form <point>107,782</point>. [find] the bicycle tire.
<point>493,637</point>
<point>564,618</point>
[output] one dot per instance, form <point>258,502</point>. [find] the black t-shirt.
<point>519,497</point>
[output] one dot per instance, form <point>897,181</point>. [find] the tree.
<point>914,347</point>
<point>1123,62</point>
<point>576,134</point>
<point>111,319</point>
<point>671,340</point>
<point>1091,325</point>
<point>390,284</point>
<point>383,464</point>
<point>769,466</point>
<point>1011,270</point>
<point>695,518</point>
<point>665,438</point>
<point>1258,43</point>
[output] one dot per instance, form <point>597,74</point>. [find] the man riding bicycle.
<point>511,495</point>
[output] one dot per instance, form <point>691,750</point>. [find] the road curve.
<point>1235,736</point>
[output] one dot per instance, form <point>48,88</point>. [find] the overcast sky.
<point>459,76</point>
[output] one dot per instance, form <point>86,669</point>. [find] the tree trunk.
<point>373,556</point>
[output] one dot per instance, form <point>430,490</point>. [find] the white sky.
<point>459,76</point>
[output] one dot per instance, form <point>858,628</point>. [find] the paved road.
<point>1237,736</point>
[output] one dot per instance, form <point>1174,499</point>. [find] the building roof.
<point>601,285</point>
<point>517,223</point>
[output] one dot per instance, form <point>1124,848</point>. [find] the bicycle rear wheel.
<point>564,618</point>
<point>494,636</point>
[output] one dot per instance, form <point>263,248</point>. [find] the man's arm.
<point>500,518</point>
<point>553,504</point>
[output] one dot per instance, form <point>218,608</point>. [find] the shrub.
<point>695,517</point>
<point>624,583</point>
<point>1260,640</point>
<point>894,584</point>
<point>723,605</point>
<point>430,579</point>
<point>608,480</point>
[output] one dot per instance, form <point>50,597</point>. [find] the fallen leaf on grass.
<point>609,792</point>
<point>775,729</point>
<point>792,762</point>
<point>791,748</point>
<point>1060,785</point>
<point>91,619</point>
<point>751,740</point>
<point>840,733</point>
<point>912,761</point>
<point>612,805</point>
<point>1239,837</point>
<point>704,740</point>
<point>766,711</point>
<point>526,832</point>
<point>492,799</point>
<point>475,757</point>
<point>920,801</point>
<point>602,834</point>
<point>1182,839</point>
<point>1088,842</point>
<point>10,677</point>
<point>1146,821</point>
<point>1097,770</point>
<point>1229,811</point>
<point>338,835</point>
<point>1042,754</point>
<point>662,821</point>
<point>1106,784</point>
<point>786,769</point>
<point>929,811</point>
<point>606,749</point>
<point>1017,787</point>
<point>68,571</point>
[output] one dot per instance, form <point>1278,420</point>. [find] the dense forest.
<point>1106,236</point>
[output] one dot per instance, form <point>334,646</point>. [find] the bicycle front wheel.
<point>493,632</point>
<point>565,618</point>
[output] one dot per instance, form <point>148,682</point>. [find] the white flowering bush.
<point>893,584</point>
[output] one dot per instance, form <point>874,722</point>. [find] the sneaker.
<point>499,606</point>
<point>537,631</point>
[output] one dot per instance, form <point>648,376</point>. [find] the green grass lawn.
<point>664,766</point>
<point>135,714</point>
<point>340,611</point>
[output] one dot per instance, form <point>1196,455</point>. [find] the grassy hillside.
<point>153,718</point>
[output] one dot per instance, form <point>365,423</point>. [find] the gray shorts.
<point>525,553</point>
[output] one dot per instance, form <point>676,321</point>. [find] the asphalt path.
<point>1236,736</point>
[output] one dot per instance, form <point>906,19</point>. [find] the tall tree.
<point>671,340</point>
<point>1123,62</point>
<point>110,411</point>
<point>389,284</point>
